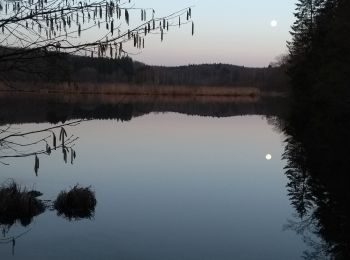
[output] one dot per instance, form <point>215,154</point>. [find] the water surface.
<point>168,186</point>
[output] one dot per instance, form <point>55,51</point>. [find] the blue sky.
<point>227,31</point>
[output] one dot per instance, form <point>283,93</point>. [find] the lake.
<point>180,179</point>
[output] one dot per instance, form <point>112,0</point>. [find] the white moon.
<point>274,23</point>
<point>268,157</point>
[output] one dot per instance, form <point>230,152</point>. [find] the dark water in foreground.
<point>168,185</point>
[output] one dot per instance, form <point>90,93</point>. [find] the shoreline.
<point>133,90</point>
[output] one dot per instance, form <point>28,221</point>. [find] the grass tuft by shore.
<point>77,203</point>
<point>18,204</point>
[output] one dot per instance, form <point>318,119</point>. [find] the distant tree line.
<point>62,67</point>
<point>71,68</point>
<point>271,78</point>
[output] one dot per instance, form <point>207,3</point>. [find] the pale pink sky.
<point>228,31</point>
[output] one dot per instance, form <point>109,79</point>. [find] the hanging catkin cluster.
<point>56,25</point>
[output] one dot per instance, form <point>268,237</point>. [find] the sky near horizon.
<point>227,31</point>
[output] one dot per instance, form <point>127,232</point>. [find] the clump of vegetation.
<point>76,204</point>
<point>19,204</point>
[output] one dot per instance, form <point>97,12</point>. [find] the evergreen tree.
<point>311,44</point>
<point>300,46</point>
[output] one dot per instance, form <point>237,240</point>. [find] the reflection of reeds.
<point>18,204</point>
<point>77,203</point>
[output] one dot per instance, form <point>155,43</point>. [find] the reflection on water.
<point>20,205</point>
<point>172,186</point>
<point>36,108</point>
<point>318,180</point>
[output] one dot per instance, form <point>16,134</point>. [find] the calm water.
<point>168,186</point>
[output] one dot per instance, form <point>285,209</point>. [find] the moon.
<point>268,157</point>
<point>273,23</point>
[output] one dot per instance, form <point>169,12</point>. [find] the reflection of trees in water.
<point>20,205</point>
<point>304,194</point>
<point>299,185</point>
<point>55,108</point>
<point>317,169</point>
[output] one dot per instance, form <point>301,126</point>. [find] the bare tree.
<point>33,29</point>
<point>15,143</point>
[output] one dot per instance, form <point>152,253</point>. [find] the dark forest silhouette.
<point>318,127</point>
<point>72,70</point>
